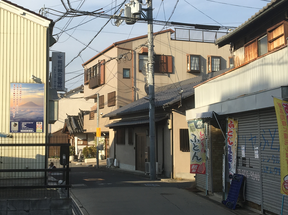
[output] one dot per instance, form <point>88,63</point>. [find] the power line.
<point>74,77</point>
<point>236,5</point>
<point>203,13</point>
<point>95,35</point>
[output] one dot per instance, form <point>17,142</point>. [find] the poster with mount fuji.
<point>26,108</point>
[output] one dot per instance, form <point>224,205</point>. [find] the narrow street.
<point>112,191</point>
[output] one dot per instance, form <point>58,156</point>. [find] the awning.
<point>136,121</point>
<point>254,101</point>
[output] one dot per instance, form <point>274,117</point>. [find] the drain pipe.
<point>172,145</point>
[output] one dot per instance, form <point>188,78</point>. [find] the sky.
<point>72,39</point>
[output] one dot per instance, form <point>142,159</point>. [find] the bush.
<point>89,152</point>
<point>71,150</point>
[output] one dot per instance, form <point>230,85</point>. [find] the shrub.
<point>89,152</point>
<point>71,150</point>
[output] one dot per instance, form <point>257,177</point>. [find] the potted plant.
<point>71,153</point>
<point>89,154</point>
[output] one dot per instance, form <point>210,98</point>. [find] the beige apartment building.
<point>118,73</point>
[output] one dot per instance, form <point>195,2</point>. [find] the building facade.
<point>245,93</point>
<point>118,74</point>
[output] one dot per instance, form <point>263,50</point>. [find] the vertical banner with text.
<point>281,109</point>
<point>58,71</point>
<point>232,143</point>
<point>197,146</point>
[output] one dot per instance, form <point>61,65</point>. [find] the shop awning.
<point>249,102</point>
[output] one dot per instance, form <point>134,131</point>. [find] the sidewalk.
<point>215,197</point>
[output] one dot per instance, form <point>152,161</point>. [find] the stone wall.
<point>36,207</point>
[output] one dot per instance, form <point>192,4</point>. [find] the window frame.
<point>184,140</point>
<point>92,115</point>
<point>232,58</point>
<point>142,64</point>
<point>258,47</point>
<point>163,64</point>
<point>111,99</point>
<point>101,102</point>
<point>188,63</point>
<point>209,63</point>
<point>124,73</point>
<point>271,39</point>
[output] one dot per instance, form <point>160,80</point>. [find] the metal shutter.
<point>248,136</point>
<point>270,156</point>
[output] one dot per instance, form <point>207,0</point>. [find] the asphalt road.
<point>112,192</point>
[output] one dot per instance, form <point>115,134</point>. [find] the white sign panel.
<point>58,71</point>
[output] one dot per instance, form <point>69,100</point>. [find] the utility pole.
<point>151,91</point>
<point>97,136</point>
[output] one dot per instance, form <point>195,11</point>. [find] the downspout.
<point>47,100</point>
<point>172,144</point>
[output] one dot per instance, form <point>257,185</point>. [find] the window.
<point>162,63</point>
<point>184,140</point>
<point>214,63</point>
<point>250,50</point>
<point>101,102</point>
<point>120,136</point>
<point>112,99</point>
<point>193,63</point>
<point>126,73</point>
<point>95,75</point>
<point>262,45</point>
<point>277,35</point>
<point>91,115</point>
<point>143,60</point>
<point>86,80</point>
<point>89,73</point>
<point>231,62</point>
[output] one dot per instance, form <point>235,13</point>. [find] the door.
<point>140,152</point>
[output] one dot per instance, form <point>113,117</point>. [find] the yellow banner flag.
<point>281,109</point>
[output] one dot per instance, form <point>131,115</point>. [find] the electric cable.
<point>203,13</point>
<point>95,35</point>
<point>236,5</point>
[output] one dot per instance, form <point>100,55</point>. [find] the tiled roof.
<point>74,124</point>
<point>164,97</point>
<point>224,40</point>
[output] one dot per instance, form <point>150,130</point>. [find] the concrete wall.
<point>36,207</point>
<point>70,105</point>
<point>181,159</point>
<point>267,72</point>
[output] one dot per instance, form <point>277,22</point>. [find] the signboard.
<point>197,147</point>
<point>58,71</point>
<point>281,109</point>
<point>26,108</point>
<point>232,144</point>
<point>98,132</point>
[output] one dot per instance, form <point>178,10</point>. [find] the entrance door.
<point>140,152</point>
